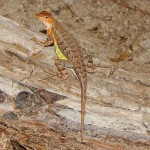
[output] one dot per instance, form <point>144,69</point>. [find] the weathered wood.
<point>118,100</point>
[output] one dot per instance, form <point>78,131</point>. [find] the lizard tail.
<point>83,102</point>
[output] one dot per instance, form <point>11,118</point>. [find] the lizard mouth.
<point>48,25</point>
<point>46,18</point>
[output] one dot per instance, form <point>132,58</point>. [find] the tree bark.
<point>117,99</point>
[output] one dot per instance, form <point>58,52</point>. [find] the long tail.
<point>83,83</point>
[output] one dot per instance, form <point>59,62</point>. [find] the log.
<point>117,99</point>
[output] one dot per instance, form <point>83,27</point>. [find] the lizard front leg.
<point>47,43</point>
<point>44,44</point>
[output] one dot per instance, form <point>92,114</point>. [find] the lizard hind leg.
<point>88,61</point>
<point>62,74</point>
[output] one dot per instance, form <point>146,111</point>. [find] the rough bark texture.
<point>36,112</point>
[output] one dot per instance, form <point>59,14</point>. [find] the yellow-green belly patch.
<point>59,53</point>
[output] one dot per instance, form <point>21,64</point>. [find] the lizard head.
<point>46,18</point>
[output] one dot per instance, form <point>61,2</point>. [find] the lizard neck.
<point>54,34</point>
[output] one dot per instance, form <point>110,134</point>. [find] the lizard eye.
<point>46,17</point>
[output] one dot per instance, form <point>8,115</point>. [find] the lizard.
<point>69,55</point>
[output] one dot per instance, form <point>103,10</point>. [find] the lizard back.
<point>72,51</point>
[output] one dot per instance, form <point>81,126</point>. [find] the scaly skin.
<point>69,56</point>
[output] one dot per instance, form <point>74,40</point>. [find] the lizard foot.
<point>44,44</point>
<point>63,77</point>
<point>56,74</point>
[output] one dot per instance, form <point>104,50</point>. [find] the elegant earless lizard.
<point>69,56</point>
